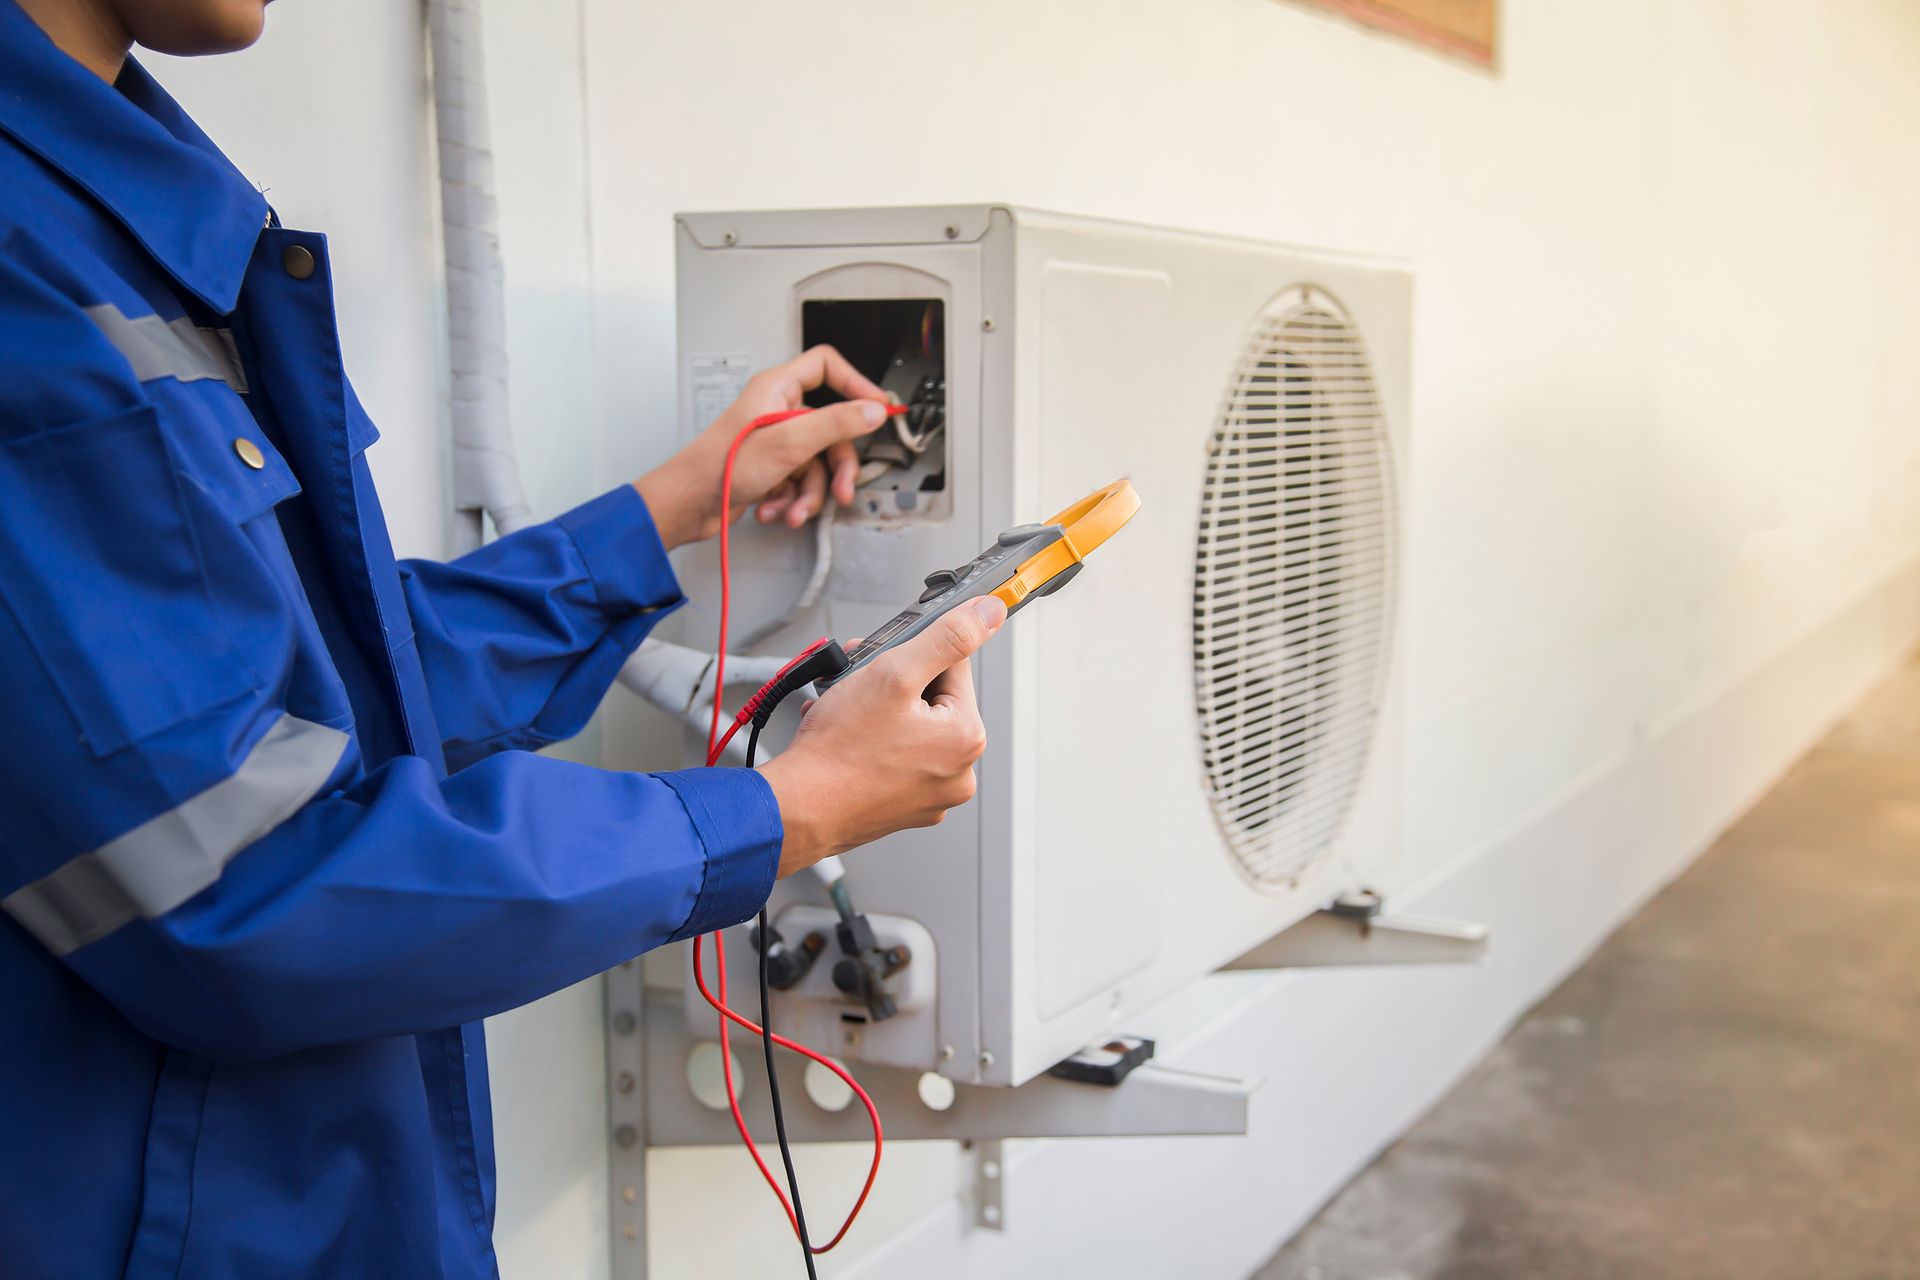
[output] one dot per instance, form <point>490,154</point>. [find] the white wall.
<point>328,116</point>
<point>1664,493</point>
<point>1663,430</point>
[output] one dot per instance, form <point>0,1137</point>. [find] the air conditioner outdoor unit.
<point>1195,744</point>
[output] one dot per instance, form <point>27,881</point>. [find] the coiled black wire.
<point>773,1077</point>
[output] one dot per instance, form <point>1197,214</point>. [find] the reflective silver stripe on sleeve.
<point>180,349</point>
<point>167,859</point>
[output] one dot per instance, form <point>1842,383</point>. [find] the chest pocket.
<point>116,542</point>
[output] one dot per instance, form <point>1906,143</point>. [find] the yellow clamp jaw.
<point>1085,525</point>
<point>1053,553</point>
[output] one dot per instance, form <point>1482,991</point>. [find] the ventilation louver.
<point>1293,587</point>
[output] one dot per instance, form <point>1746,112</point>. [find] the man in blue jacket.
<point>274,840</point>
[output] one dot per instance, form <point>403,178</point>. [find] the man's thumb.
<point>955,637</point>
<point>848,420</point>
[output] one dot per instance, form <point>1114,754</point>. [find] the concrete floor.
<point>1729,1088</point>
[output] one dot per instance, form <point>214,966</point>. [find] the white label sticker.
<point>717,379</point>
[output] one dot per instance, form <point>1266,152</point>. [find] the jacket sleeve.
<point>521,638</point>
<point>398,905</point>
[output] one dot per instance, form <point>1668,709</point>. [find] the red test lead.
<point>715,745</point>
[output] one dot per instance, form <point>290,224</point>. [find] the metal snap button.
<point>250,453</point>
<point>298,260</point>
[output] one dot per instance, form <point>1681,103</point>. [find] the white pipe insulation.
<point>486,471</point>
<point>486,476</point>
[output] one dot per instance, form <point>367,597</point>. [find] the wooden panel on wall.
<point>1462,27</point>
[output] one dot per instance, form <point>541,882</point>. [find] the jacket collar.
<point>133,149</point>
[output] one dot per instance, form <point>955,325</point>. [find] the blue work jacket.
<point>274,839</point>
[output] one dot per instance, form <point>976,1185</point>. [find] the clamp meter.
<point>1024,563</point>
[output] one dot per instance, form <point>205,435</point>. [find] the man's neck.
<point>88,31</point>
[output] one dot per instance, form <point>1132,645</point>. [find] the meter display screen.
<point>892,627</point>
<point>946,588</point>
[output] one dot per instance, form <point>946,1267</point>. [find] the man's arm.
<point>197,840</point>
<point>189,826</point>
<point>400,904</point>
<point>521,639</point>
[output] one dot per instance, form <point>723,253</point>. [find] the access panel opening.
<point>900,343</point>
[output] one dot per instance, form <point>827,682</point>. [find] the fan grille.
<point>1293,587</point>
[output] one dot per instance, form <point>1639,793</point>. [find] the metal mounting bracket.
<point>626,1113</point>
<point>652,1102</point>
<point>1356,932</point>
<point>989,1184</point>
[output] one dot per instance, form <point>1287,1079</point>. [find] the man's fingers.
<point>953,687</point>
<point>813,494</point>
<point>954,638</point>
<point>822,364</point>
<point>776,502</point>
<point>820,430</point>
<point>844,463</point>
<point>952,692</point>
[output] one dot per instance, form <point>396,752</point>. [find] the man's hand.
<point>786,467</point>
<point>892,746</point>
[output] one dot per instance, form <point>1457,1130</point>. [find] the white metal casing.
<point>1090,877</point>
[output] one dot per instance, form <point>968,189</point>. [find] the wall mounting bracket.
<point>989,1158</point>
<point>652,1103</point>
<point>1155,1100</point>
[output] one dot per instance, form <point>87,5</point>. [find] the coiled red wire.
<point>716,743</point>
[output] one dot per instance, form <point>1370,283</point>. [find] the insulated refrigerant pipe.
<point>486,476</point>
<point>486,471</point>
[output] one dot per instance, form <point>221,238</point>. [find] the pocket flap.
<point>233,463</point>
<point>102,570</point>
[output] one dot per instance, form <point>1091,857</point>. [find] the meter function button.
<point>1020,533</point>
<point>939,582</point>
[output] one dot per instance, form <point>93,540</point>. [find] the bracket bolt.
<point>624,1023</point>
<point>730,238</point>
<point>946,1053</point>
<point>986,322</point>
<point>625,1136</point>
<point>624,1082</point>
<point>953,232</point>
<point>986,1059</point>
